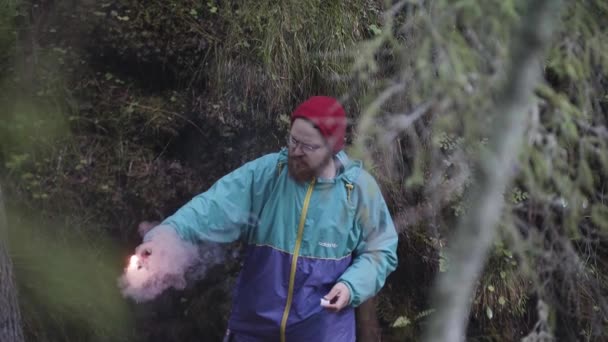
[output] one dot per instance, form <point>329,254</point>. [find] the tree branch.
<point>468,249</point>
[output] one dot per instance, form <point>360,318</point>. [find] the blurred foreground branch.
<point>469,247</point>
<point>10,315</point>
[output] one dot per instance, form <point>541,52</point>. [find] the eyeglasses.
<point>306,148</point>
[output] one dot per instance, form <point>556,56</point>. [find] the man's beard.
<point>300,171</point>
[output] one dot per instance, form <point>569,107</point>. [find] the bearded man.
<point>320,239</point>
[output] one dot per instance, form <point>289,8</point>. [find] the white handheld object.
<point>324,302</point>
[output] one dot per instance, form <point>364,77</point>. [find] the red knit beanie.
<point>327,114</point>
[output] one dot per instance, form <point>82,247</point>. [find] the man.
<point>320,240</point>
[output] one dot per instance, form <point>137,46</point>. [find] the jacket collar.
<point>348,169</point>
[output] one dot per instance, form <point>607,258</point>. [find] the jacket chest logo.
<point>328,244</point>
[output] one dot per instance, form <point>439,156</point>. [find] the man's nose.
<point>297,150</point>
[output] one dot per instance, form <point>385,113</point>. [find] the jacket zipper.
<point>294,259</point>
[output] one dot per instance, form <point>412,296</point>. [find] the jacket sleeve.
<point>375,256</point>
<point>228,208</point>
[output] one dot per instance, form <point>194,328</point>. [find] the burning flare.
<point>134,262</point>
<point>161,264</point>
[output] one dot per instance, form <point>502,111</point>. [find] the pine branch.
<point>468,249</point>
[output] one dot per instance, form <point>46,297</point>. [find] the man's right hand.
<point>164,258</point>
<point>144,250</point>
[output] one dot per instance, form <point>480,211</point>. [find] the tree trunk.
<point>10,316</point>
<point>467,251</point>
<point>368,327</point>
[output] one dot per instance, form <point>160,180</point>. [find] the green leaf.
<point>375,29</point>
<point>424,314</point>
<point>491,288</point>
<point>502,300</point>
<point>27,176</point>
<point>599,216</point>
<point>401,322</point>
<point>569,129</point>
<point>585,176</point>
<point>489,312</point>
<point>443,261</point>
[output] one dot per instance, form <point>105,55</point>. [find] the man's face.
<point>308,151</point>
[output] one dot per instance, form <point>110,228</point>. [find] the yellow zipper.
<point>294,259</point>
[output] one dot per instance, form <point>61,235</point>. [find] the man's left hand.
<point>338,297</point>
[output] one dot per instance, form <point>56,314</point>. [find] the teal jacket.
<point>301,240</point>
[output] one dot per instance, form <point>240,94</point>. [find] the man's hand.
<point>338,297</point>
<point>163,262</point>
<point>144,250</point>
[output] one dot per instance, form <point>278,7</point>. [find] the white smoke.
<point>166,261</point>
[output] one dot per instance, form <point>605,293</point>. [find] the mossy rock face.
<point>159,99</point>
<point>160,43</point>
